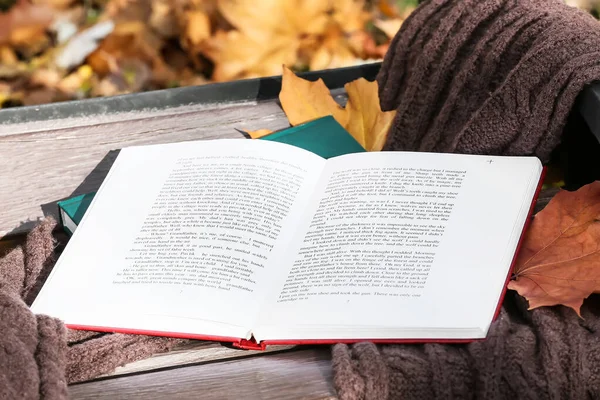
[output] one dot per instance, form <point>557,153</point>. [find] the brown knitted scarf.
<point>547,353</point>
<point>486,77</point>
<point>38,355</point>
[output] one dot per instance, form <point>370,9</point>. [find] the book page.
<point>179,237</point>
<point>416,241</point>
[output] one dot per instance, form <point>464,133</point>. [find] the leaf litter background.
<point>56,50</point>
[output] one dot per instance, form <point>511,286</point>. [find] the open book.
<point>257,242</point>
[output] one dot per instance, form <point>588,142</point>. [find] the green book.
<point>323,136</point>
<point>72,209</point>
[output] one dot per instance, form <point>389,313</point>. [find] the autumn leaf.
<point>366,122</point>
<point>303,101</point>
<point>24,25</point>
<point>258,133</point>
<point>559,261</point>
<point>270,33</point>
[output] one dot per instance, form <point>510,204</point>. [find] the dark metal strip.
<point>226,92</point>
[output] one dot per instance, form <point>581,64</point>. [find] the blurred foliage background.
<point>56,50</point>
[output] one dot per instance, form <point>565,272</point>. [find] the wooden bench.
<point>51,152</point>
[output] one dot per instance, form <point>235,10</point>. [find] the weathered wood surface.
<point>193,352</point>
<point>303,374</point>
<point>42,166</point>
<point>44,162</point>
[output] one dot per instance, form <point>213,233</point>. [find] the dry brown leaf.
<point>237,56</point>
<point>372,49</point>
<point>270,33</point>
<point>8,56</point>
<point>198,27</point>
<point>267,35</point>
<point>128,10</point>
<point>350,15</point>
<point>23,15</point>
<point>45,77</point>
<point>387,9</point>
<point>559,260</point>
<point>24,27</point>
<point>131,42</point>
<point>163,19</point>
<point>366,122</point>
<point>258,133</point>
<point>267,18</point>
<point>303,101</point>
<point>332,50</point>
<point>60,4</point>
<point>76,81</point>
<point>40,96</point>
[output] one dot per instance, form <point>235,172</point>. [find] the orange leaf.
<point>259,133</point>
<point>387,9</point>
<point>366,122</point>
<point>559,262</point>
<point>303,100</point>
<point>198,27</point>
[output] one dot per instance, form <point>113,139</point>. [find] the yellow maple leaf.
<point>366,122</point>
<point>350,15</point>
<point>258,133</point>
<point>270,33</point>
<point>303,101</point>
<point>238,56</point>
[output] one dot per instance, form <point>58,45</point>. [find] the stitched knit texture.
<point>547,353</point>
<point>38,355</point>
<point>32,348</point>
<point>487,76</point>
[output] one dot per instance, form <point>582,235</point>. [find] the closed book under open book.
<point>257,242</point>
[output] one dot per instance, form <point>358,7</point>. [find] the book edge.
<point>520,242</point>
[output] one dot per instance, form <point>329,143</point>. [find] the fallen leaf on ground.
<point>198,27</point>
<point>371,48</point>
<point>24,21</point>
<point>350,15</point>
<point>163,19</point>
<point>559,260</point>
<point>303,101</point>
<point>306,33</point>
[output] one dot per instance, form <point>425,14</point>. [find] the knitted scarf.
<point>486,77</point>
